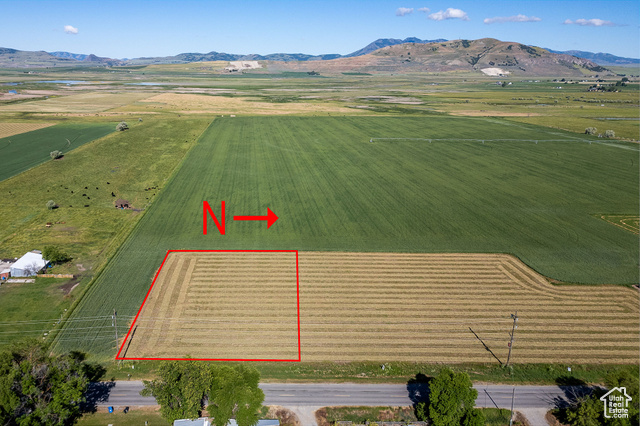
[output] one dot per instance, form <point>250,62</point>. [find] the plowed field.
<point>381,307</point>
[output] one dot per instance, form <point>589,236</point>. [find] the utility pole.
<point>513,396</point>
<point>513,330</point>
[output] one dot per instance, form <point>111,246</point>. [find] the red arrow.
<point>270,218</point>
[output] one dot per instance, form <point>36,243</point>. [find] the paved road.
<point>127,393</point>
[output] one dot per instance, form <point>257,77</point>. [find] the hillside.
<point>601,58</point>
<point>493,56</point>
<point>12,58</point>
<point>384,42</point>
<point>383,55</point>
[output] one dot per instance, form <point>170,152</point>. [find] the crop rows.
<point>380,307</point>
<point>220,305</point>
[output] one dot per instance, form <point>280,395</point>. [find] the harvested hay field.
<point>10,129</point>
<point>220,305</point>
<point>91,102</point>
<point>381,307</point>
<point>206,104</point>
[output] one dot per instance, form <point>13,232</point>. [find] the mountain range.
<point>429,55</point>
<point>599,58</point>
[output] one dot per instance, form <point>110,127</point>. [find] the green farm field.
<point>334,190</point>
<point>26,150</point>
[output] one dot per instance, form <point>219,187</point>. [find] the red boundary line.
<point>214,359</point>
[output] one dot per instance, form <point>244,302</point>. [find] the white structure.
<point>242,65</point>
<point>28,265</point>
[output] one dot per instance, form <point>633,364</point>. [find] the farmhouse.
<point>29,264</point>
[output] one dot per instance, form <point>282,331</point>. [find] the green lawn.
<point>26,150</point>
<point>132,418</point>
<point>335,190</point>
<point>34,305</point>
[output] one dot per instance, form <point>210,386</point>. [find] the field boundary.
<point>570,139</point>
<point>131,330</point>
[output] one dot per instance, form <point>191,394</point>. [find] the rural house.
<point>29,264</point>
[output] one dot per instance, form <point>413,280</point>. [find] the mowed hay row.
<point>426,307</point>
<point>10,129</point>
<point>220,305</point>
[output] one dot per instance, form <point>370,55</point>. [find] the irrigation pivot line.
<point>479,140</point>
<point>588,141</point>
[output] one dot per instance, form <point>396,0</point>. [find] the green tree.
<point>51,204</point>
<point>588,412</point>
<point>180,390</point>
<point>122,126</point>
<point>234,392</point>
<point>474,417</point>
<point>631,383</point>
<point>590,130</point>
<point>609,134</point>
<point>55,255</point>
<point>38,389</point>
<point>185,386</point>
<point>451,397</point>
<point>55,154</point>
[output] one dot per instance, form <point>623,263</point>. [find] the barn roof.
<point>30,259</point>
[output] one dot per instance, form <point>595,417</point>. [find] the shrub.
<point>55,255</point>
<point>609,134</point>
<point>590,131</point>
<point>55,154</point>
<point>51,204</point>
<point>122,126</point>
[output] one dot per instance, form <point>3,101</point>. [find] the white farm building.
<point>28,265</point>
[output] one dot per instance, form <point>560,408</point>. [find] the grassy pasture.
<point>125,163</point>
<point>26,150</point>
<point>336,191</point>
<point>37,306</point>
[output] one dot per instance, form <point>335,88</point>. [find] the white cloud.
<point>450,13</point>
<point>70,30</point>
<point>516,18</point>
<point>424,9</point>
<point>591,22</point>
<point>404,11</point>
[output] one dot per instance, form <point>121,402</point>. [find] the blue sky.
<point>135,28</point>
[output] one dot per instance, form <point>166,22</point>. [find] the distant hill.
<point>488,56</point>
<point>67,55</point>
<point>384,42</point>
<point>12,58</point>
<point>600,58</point>
<point>394,55</point>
